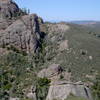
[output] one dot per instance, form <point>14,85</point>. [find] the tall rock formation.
<point>22,33</point>
<point>8,8</point>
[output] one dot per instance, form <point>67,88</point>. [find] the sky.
<point>63,10</point>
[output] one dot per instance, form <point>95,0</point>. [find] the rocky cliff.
<point>8,8</point>
<point>22,33</point>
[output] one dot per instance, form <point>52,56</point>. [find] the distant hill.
<point>84,22</point>
<point>94,26</point>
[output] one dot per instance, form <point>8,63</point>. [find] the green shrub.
<point>42,87</point>
<point>7,87</point>
<point>96,87</point>
<point>61,77</point>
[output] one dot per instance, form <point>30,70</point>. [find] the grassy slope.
<point>79,40</point>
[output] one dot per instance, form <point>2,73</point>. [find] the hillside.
<point>73,47</point>
<point>46,61</point>
<point>95,28</point>
<point>85,22</point>
<point>93,25</point>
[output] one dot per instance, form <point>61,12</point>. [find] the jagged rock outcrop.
<point>8,9</point>
<point>55,72</point>
<point>58,28</point>
<point>61,86</point>
<point>62,89</point>
<point>23,34</point>
<point>52,70</point>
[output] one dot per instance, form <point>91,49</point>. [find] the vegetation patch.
<point>96,87</point>
<point>42,88</point>
<point>72,97</point>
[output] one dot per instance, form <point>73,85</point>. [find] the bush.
<point>96,88</point>
<point>8,86</point>
<point>42,87</point>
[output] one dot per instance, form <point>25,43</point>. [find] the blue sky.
<point>63,10</point>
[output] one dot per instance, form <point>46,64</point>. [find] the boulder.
<point>31,96</point>
<point>60,90</point>
<point>31,93</point>
<point>52,70</point>
<point>14,98</point>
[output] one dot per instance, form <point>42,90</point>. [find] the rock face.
<point>58,28</point>
<point>23,34</point>
<point>8,8</point>
<point>61,90</point>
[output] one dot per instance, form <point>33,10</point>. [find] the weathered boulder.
<point>60,90</point>
<point>52,70</point>
<point>23,34</point>
<point>55,72</point>
<point>31,93</point>
<point>31,96</point>
<point>61,86</point>
<point>13,98</point>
